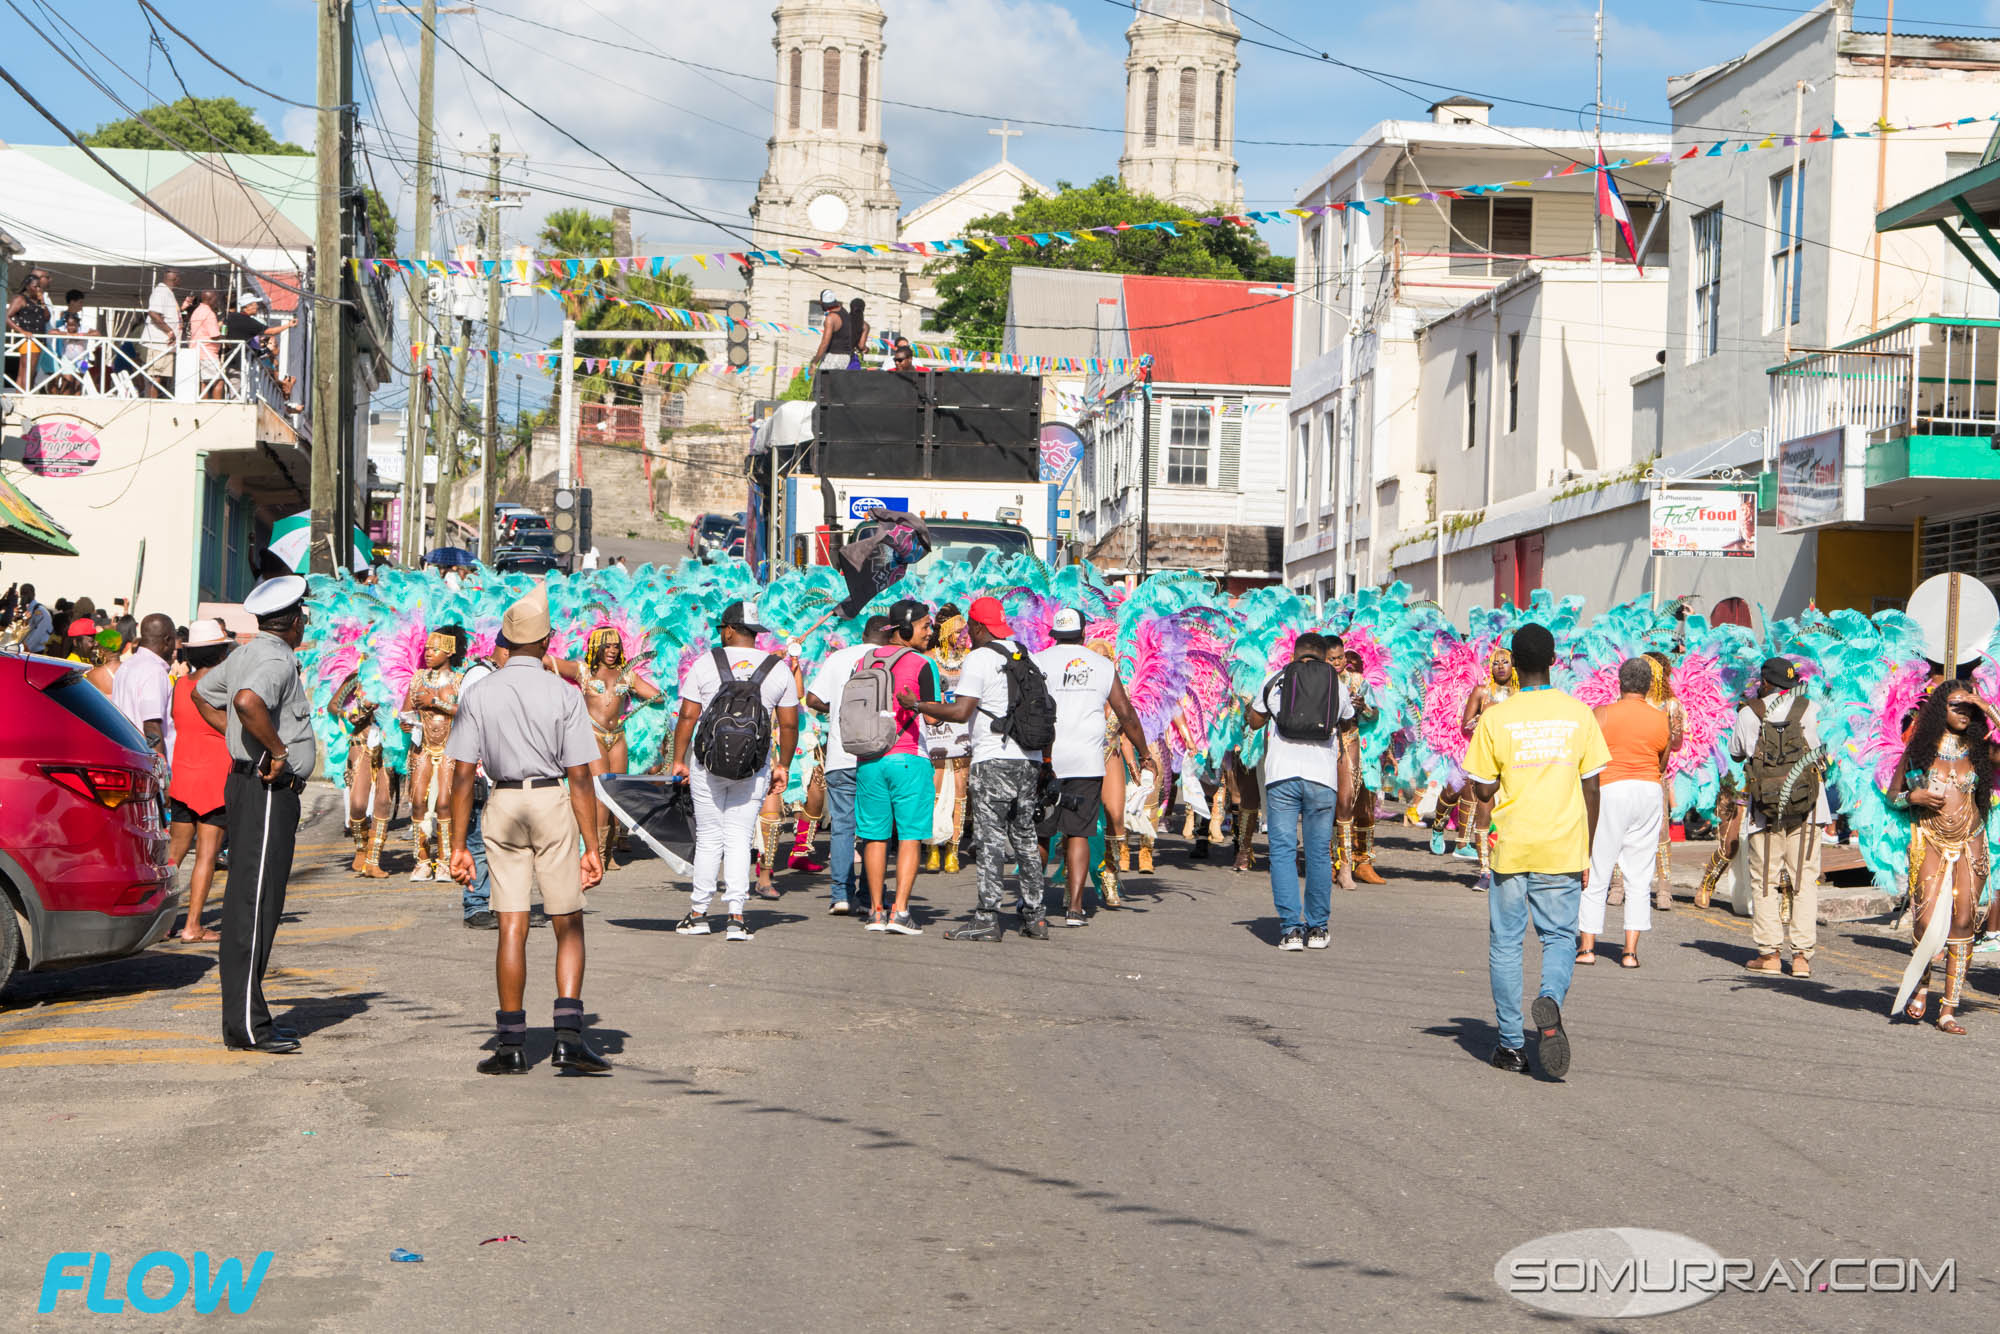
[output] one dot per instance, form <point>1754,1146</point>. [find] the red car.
<point>83,846</point>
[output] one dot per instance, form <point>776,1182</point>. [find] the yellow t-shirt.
<point>1539,745</point>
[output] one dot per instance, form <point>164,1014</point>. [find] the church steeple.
<point>828,173</point>
<point>1180,102</point>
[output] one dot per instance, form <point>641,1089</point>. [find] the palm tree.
<point>575,233</point>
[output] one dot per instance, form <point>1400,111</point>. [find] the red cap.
<point>82,625</point>
<point>989,613</point>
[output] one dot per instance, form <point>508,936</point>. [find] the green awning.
<point>25,530</point>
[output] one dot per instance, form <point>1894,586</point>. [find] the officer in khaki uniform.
<point>530,730</point>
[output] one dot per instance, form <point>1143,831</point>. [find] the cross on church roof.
<point>1005,134</point>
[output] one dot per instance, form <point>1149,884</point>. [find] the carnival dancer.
<point>771,815</point>
<point>1116,747</point>
<point>369,798</point>
<point>1945,782</point>
<point>1777,736</point>
<point>433,699</point>
<point>949,740</point>
<point>1192,826</point>
<point>1475,817</point>
<point>609,682</point>
<point>1728,830</point>
<point>1240,781</point>
<point>1354,816</point>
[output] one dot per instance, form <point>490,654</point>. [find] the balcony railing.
<point>1931,376</point>
<point>97,366</point>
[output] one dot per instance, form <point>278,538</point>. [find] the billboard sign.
<point>1705,523</point>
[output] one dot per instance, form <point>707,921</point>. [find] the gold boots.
<point>1364,855</point>
<point>1107,886</point>
<point>440,865</point>
<point>1246,832</point>
<point>1343,853</point>
<point>931,860</point>
<point>1957,954</point>
<point>950,857</point>
<point>769,829</point>
<point>371,861</point>
<point>1124,855</point>
<point>1711,876</point>
<point>422,869</point>
<point>1146,855</point>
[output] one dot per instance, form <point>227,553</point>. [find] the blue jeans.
<point>840,831</point>
<point>1288,803</point>
<point>479,894</point>
<point>1552,901</point>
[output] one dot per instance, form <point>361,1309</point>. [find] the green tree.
<point>575,233</point>
<point>223,125</point>
<point>972,287</point>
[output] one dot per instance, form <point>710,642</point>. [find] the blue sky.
<point>696,137</point>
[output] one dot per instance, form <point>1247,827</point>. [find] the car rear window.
<point>87,702</point>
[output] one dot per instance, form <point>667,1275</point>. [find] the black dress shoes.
<point>505,1061</point>
<point>575,1055</point>
<point>278,1044</point>
<point>285,1034</point>
<point>482,921</point>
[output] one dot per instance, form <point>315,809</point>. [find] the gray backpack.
<point>868,706</point>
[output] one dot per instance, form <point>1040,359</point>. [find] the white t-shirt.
<point>825,686</point>
<point>1080,680</point>
<point>701,683</point>
<point>142,690</point>
<point>984,677</point>
<point>1314,761</point>
<point>161,303</point>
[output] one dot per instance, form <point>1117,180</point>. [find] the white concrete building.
<point>1360,479</point>
<point>1180,102</point>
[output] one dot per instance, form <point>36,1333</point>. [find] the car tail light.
<point>108,786</point>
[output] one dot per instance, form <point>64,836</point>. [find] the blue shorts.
<point>893,796</point>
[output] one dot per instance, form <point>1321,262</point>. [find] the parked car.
<point>711,532</point>
<point>83,845</point>
<point>525,560</point>
<point>964,541</point>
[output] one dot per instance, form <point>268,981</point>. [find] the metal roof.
<point>1058,312</point>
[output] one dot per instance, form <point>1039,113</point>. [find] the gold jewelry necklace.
<point>1952,747</point>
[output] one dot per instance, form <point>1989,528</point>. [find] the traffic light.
<point>571,523</point>
<point>739,334</point>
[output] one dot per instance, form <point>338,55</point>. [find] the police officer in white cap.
<point>255,697</point>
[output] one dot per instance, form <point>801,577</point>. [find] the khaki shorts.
<point>531,837</point>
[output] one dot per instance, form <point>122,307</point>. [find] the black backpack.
<point>733,738</point>
<point>1308,700</point>
<point>1030,720</point>
<point>1778,777</point>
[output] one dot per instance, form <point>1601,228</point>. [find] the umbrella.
<point>451,556</point>
<point>657,809</point>
<point>291,542</point>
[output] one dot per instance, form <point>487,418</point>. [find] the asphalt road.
<point>1154,1122</point>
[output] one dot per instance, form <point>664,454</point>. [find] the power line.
<point>1859,18</point>
<point>259,88</point>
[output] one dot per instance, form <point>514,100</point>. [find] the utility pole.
<point>489,245</point>
<point>332,334</point>
<point>414,416</point>
<point>1145,467</point>
<point>1881,171</point>
<point>447,452</point>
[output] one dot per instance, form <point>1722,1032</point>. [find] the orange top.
<point>1636,734</point>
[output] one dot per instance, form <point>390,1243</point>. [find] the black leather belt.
<point>290,782</point>
<point>510,784</point>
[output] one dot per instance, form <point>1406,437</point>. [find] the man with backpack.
<point>1306,705</point>
<point>893,796</point>
<point>728,701</point>
<point>1084,683</point>
<point>1002,693</point>
<point>1777,738</point>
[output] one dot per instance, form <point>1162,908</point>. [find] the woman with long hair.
<point>950,744</point>
<point>200,768</point>
<point>433,703</point>
<point>1945,782</point>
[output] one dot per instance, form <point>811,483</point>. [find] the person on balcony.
<point>247,325</point>
<point>162,334</point>
<point>28,314</point>
<point>205,333</point>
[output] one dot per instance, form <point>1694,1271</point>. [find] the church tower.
<point>827,177</point>
<point>1180,103</point>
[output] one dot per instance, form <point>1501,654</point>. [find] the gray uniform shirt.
<point>267,666</point>
<point>522,721</point>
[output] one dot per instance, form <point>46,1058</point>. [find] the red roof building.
<point>1209,331</point>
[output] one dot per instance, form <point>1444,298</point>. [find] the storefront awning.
<point>25,530</point>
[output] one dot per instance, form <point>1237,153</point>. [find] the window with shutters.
<point>1787,254</point>
<point>1329,446</point>
<point>829,89</point>
<point>1513,382</point>
<point>1187,445</point>
<point>1707,229</point>
<point>1491,226</point>
<point>861,96</point>
<point>1221,101</point>
<point>797,81</point>
<point>1302,471</point>
<point>1471,399</point>
<point>1229,465</point>
<point>1187,108</point>
<point>1152,107</point>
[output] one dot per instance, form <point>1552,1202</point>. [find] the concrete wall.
<point>146,487</point>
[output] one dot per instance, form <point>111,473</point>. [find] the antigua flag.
<point>1612,204</point>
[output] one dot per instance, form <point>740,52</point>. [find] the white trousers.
<point>725,829</point>
<point>1628,837</point>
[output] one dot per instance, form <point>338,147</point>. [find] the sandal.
<point>1586,958</point>
<point>1914,1011</point>
<point>1946,1023</point>
<point>1630,960</point>
<point>765,891</point>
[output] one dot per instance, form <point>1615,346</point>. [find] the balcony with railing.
<point>1926,391</point>
<point>99,366</point>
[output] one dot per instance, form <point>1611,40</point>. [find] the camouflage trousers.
<point>1003,816</point>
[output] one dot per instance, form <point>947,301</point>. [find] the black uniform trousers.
<point>263,825</point>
